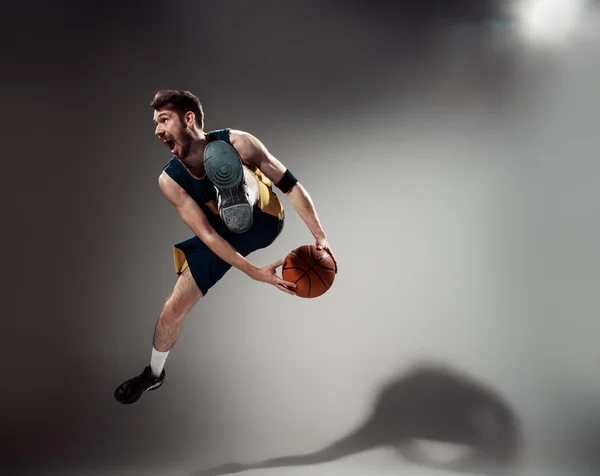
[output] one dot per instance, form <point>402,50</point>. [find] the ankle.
<point>157,362</point>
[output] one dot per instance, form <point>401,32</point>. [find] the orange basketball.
<point>312,270</point>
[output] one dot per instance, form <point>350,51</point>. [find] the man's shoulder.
<point>227,133</point>
<point>219,134</point>
<point>241,139</point>
<point>172,168</point>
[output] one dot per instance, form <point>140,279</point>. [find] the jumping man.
<point>221,184</point>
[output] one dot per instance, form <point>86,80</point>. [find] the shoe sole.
<point>223,165</point>
<point>155,386</point>
<point>225,170</point>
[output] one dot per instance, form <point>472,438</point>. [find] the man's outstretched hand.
<point>268,275</point>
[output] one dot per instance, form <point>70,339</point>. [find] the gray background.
<point>452,162</point>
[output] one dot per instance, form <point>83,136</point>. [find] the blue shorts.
<point>206,267</point>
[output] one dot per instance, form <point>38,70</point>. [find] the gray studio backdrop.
<point>454,167</point>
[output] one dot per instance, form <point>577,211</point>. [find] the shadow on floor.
<point>429,404</point>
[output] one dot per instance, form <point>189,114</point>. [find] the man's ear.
<point>189,118</point>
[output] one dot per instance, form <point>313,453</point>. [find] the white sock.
<point>157,361</point>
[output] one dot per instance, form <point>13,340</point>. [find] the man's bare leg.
<point>185,294</point>
<point>182,299</point>
<point>180,302</point>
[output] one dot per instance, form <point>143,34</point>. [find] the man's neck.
<point>195,159</point>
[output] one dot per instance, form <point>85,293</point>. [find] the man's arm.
<point>195,218</point>
<point>253,151</point>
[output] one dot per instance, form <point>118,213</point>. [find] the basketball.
<point>311,269</point>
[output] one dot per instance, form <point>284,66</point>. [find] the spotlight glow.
<point>550,22</point>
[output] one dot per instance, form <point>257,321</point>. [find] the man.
<point>221,183</point>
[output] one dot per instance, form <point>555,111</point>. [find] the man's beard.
<point>185,150</point>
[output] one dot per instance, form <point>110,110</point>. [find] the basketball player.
<point>221,184</point>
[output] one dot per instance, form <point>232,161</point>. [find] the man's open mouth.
<point>170,143</point>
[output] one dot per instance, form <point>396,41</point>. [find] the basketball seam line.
<point>295,267</point>
<point>298,256</point>
<point>323,281</point>
<point>324,267</point>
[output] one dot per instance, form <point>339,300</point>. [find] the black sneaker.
<point>225,170</point>
<point>132,390</point>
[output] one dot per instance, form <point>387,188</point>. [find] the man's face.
<point>172,132</point>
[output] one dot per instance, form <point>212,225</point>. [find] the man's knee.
<point>174,311</point>
<point>252,183</point>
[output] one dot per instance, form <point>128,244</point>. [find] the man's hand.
<point>269,276</point>
<point>323,244</point>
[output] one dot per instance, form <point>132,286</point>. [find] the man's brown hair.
<point>180,102</point>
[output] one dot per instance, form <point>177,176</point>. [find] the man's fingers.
<point>285,289</point>
<point>288,284</point>
<point>334,262</point>
<point>278,264</point>
<point>333,258</point>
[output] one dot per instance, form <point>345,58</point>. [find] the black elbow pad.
<point>287,182</point>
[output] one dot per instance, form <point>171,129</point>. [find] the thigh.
<point>186,292</point>
<point>203,264</point>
